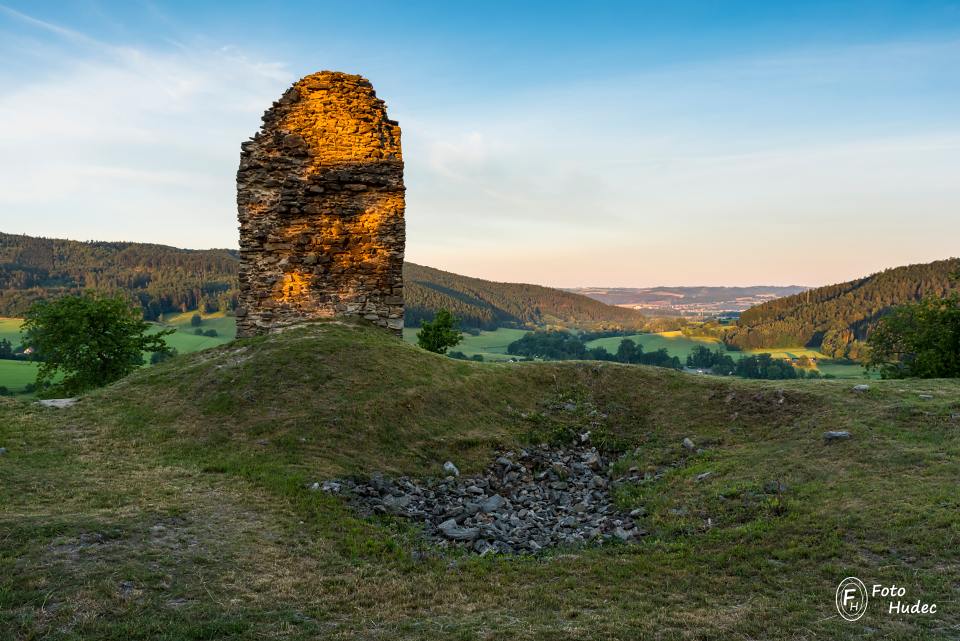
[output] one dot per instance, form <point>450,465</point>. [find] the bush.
<point>439,334</point>
<point>919,340</point>
<point>89,339</point>
<point>212,333</point>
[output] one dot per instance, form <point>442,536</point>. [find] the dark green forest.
<point>162,279</point>
<point>167,279</point>
<point>837,319</point>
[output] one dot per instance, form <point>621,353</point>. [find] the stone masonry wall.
<point>320,198</point>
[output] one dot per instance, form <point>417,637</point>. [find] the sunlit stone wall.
<point>320,198</point>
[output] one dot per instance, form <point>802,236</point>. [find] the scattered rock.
<point>926,397</point>
<point>687,443</point>
<point>493,504</point>
<point>3,451</point>
<point>704,476</point>
<point>524,502</point>
<point>451,469</point>
<point>861,388</point>
<point>836,436</point>
<point>451,530</point>
<point>59,403</point>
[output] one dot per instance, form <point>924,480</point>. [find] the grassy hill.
<point>488,304</point>
<point>837,318</point>
<point>173,505</point>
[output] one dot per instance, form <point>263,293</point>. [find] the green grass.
<point>10,330</point>
<point>491,345</point>
<point>173,504</point>
<point>15,375</point>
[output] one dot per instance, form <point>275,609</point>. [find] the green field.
<point>491,345</point>
<point>10,330</point>
<point>186,341</point>
<point>14,375</point>
<point>675,343</point>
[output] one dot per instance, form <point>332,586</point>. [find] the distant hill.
<point>163,279</point>
<point>167,279</point>
<point>488,304</point>
<point>837,318</point>
<point>688,300</point>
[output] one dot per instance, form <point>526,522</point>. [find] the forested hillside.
<point>167,279</point>
<point>487,304</point>
<point>163,279</point>
<point>836,318</point>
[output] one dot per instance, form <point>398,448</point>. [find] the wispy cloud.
<point>116,120</point>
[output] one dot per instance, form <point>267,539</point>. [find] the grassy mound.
<point>173,505</point>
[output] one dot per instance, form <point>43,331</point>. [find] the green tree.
<point>919,340</point>
<point>91,340</point>
<point>439,334</point>
<point>196,320</point>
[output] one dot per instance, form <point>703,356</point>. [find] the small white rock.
<point>861,388</point>
<point>58,403</point>
<point>451,469</point>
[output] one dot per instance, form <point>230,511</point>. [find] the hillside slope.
<point>488,304</point>
<point>836,318</point>
<point>167,279</point>
<point>162,278</point>
<point>176,503</point>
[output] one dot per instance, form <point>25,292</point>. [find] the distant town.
<point>714,302</point>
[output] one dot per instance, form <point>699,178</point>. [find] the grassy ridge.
<point>172,505</point>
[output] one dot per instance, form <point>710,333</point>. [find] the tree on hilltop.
<point>440,334</point>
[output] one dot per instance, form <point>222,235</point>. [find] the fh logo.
<point>851,598</point>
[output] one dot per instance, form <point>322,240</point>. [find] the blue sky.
<point>628,144</point>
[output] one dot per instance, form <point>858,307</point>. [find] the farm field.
<point>185,341</point>
<point>15,375</point>
<point>491,345</point>
<point>675,343</point>
<point>10,330</point>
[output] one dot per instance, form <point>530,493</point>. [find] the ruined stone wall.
<point>320,198</point>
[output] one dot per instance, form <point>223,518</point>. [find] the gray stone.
<point>687,443</point>
<point>3,451</point>
<point>836,436</point>
<point>861,388</point>
<point>59,403</point>
<point>451,469</point>
<point>451,530</point>
<point>704,476</point>
<point>493,503</point>
<point>925,397</point>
